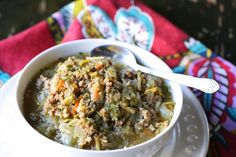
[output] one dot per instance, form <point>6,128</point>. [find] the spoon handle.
<point>204,84</point>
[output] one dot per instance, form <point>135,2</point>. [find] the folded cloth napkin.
<point>133,22</point>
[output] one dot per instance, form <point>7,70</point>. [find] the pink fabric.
<point>17,50</point>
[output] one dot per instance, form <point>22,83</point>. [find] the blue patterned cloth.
<point>3,77</point>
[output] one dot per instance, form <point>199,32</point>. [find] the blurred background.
<point>211,21</point>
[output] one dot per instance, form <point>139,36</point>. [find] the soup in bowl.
<point>97,105</point>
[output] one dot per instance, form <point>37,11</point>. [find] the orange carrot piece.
<point>60,84</point>
<point>95,95</point>
<point>76,105</point>
<point>98,66</point>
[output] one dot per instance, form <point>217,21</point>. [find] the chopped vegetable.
<point>60,85</point>
<point>76,105</point>
<point>166,110</point>
<point>98,66</point>
<point>153,90</point>
<point>139,80</point>
<point>93,74</point>
<point>97,143</point>
<point>129,109</point>
<point>95,93</point>
<point>83,62</point>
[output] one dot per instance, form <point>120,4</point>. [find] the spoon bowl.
<point>126,56</point>
<point>116,52</point>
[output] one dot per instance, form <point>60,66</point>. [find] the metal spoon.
<point>126,56</point>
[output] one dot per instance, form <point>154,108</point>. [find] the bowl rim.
<point>81,41</point>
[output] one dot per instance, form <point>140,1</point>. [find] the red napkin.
<point>135,23</point>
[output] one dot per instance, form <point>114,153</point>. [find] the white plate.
<point>189,138</point>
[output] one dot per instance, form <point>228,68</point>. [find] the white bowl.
<point>145,149</point>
